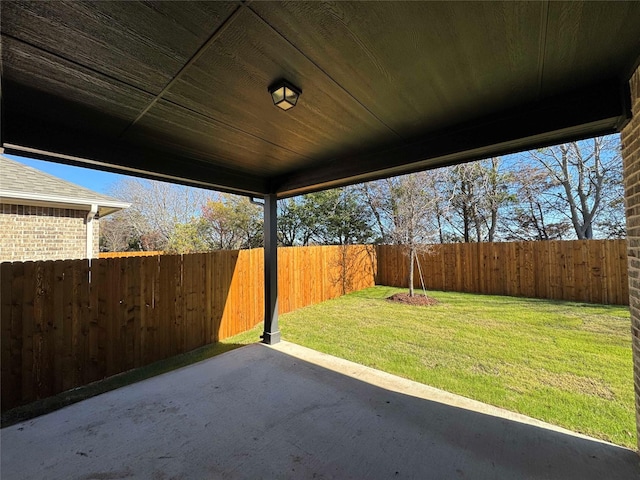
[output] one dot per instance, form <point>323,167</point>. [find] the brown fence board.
<point>28,323</point>
<point>17,331</point>
<point>70,323</point>
<point>597,292</point>
<point>57,315</point>
<point>114,338</point>
<point>189,328</point>
<point>10,338</point>
<point>99,312</point>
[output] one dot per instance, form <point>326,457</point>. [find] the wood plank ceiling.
<point>178,90</point>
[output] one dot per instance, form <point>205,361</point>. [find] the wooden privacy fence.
<point>582,270</point>
<point>129,254</point>
<point>68,323</point>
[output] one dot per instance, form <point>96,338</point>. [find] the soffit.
<point>178,90</point>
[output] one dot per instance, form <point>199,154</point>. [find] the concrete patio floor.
<point>290,412</point>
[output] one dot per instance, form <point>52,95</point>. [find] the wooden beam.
<point>37,138</point>
<point>597,110</point>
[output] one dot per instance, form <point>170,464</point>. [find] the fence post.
<point>271,333</point>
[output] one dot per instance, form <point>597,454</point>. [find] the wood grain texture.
<point>10,338</point>
<point>141,44</point>
<point>55,90</point>
<point>229,82</point>
<point>401,59</point>
<point>601,26</point>
<point>381,78</point>
<point>593,271</point>
<point>184,133</point>
<point>67,323</point>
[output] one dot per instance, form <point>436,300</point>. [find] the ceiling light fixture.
<point>284,95</point>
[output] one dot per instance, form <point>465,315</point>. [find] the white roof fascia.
<point>58,201</point>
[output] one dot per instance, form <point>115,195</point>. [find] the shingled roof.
<point>25,185</point>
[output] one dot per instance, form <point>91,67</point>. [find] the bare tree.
<point>582,173</point>
<point>612,221</point>
<point>478,193</point>
<point>117,234</point>
<point>436,189</point>
<point>375,196</point>
<point>465,199</point>
<point>156,209</point>
<point>405,213</point>
<point>496,194</point>
<point>532,215</point>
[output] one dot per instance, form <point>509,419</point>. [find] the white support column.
<point>271,333</point>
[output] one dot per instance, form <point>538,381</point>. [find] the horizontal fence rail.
<point>68,323</point>
<point>592,271</point>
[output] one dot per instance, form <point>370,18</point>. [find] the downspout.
<point>90,216</point>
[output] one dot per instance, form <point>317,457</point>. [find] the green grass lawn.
<point>566,363</point>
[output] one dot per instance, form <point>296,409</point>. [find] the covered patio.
<point>178,91</point>
<point>286,411</point>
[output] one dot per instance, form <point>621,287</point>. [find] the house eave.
<point>56,201</point>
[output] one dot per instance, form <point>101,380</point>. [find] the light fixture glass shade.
<point>284,95</point>
<point>278,95</point>
<point>291,96</point>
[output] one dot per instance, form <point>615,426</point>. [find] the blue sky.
<point>96,180</point>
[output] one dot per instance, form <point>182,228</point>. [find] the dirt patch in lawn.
<point>421,300</point>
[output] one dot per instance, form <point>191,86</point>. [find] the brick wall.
<point>631,158</point>
<point>44,233</point>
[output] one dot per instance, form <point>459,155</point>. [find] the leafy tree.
<point>294,224</point>
<point>551,193</point>
<point>330,217</point>
<point>188,238</point>
<point>232,222</point>
<point>337,217</point>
